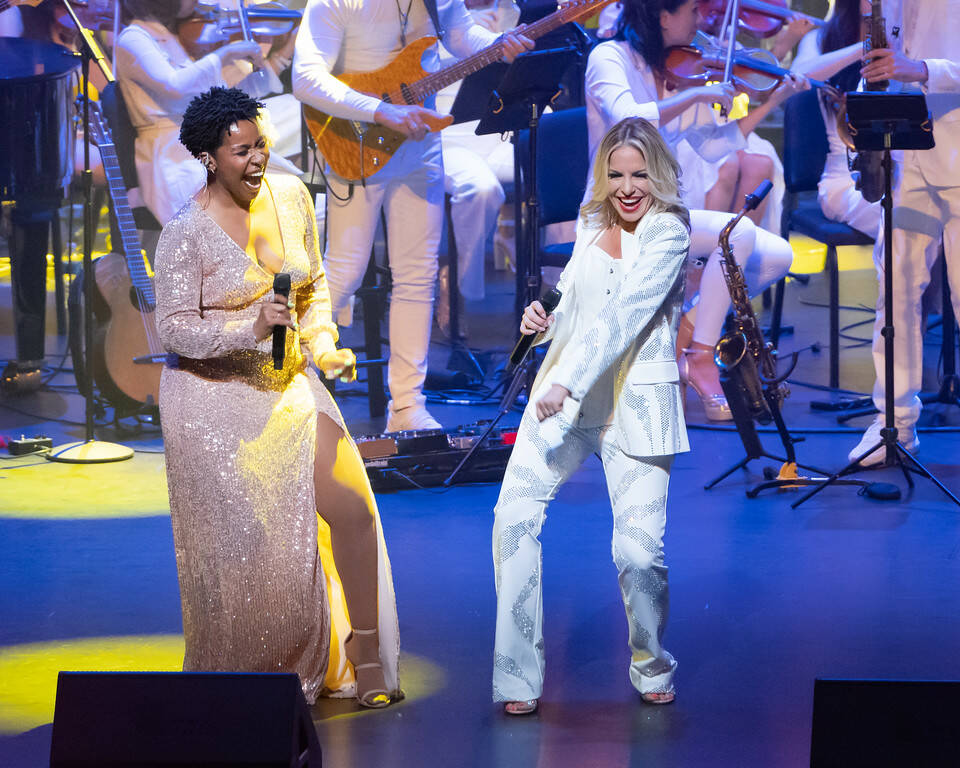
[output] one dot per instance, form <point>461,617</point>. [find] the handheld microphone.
<point>281,287</point>
<point>549,300</point>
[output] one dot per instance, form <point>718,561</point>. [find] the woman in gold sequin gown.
<point>259,461</point>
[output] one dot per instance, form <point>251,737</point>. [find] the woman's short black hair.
<point>210,115</point>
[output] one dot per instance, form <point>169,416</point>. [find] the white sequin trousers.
<point>546,454</point>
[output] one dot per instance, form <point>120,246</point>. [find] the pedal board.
<point>425,458</point>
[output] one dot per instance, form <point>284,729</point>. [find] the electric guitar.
<point>356,150</point>
<point>129,360</point>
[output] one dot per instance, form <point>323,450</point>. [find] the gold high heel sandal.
<point>374,698</point>
<point>715,405</point>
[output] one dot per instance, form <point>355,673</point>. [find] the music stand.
<point>881,121</point>
<point>89,450</point>
<point>530,83</point>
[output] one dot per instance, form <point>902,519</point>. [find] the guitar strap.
<point>431,6</point>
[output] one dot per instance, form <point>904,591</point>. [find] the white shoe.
<point>906,434</point>
<point>414,417</point>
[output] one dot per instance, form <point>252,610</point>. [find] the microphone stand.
<point>89,450</point>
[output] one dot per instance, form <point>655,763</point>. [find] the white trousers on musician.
<point>763,256</point>
<point>546,454</point>
<point>475,199</point>
<point>922,214</point>
<point>410,192</point>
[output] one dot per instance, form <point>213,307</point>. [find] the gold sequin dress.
<point>240,440</point>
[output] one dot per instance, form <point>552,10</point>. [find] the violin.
<point>212,26</point>
<point>760,18</point>
<point>755,71</point>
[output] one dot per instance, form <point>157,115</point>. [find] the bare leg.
<point>753,169</point>
<point>345,501</point>
<point>720,194</point>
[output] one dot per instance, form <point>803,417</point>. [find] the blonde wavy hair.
<point>663,174</point>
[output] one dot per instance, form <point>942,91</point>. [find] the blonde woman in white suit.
<point>609,384</point>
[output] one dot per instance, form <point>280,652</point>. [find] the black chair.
<point>124,138</point>
<point>804,154</point>
<point>563,163</point>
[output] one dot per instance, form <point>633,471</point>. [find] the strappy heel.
<point>372,698</point>
<point>715,405</point>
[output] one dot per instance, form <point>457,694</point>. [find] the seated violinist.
<point>159,77</point>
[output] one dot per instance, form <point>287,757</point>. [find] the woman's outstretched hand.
<point>552,402</point>
<point>535,319</point>
<point>340,363</point>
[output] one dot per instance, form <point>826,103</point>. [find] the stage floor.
<point>764,598</point>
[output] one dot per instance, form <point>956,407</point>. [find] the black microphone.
<point>281,289</point>
<point>549,300</point>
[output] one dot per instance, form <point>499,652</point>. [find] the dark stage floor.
<point>765,598</point>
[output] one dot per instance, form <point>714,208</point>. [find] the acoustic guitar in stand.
<point>128,357</point>
<point>356,150</point>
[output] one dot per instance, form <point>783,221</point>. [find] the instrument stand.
<point>744,410</point>
<point>530,83</point>
<point>90,450</point>
<point>896,122</point>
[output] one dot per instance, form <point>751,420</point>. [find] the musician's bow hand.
<point>886,64</point>
<point>241,49</point>
<point>535,319</point>
<point>552,402</point>
<point>792,33</point>
<point>514,43</point>
<point>718,93</point>
<point>408,119</point>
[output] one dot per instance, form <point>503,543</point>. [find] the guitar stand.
<point>901,123</point>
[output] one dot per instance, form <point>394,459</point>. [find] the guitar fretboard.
<point>427,86</point>
<point>129,239</point>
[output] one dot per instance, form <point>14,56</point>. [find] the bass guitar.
<point>128,356</point>
<point>356,150</point>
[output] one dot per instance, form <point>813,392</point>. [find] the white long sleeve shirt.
<point>347,36</point>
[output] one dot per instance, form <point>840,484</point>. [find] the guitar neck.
<point>437,81</point>
<point>127,225</point>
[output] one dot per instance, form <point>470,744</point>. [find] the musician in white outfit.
<point>621,82</point>
<point>823,54</point>
<point>346,36</point>
<point>158,79</point>
<point>926,198</point>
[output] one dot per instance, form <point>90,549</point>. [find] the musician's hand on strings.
<point>791,34</point>
<point>514,43</point>
<point>410,120</point>
<point>552,402</point>
<point>886,64</point>
<point>340,363</point>
<point>790,85</point>
<point>535,319</point>
<point>718,93</point>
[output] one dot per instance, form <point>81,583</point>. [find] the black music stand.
<point>881,122</point>
<point>530,83</point>
<point>89,450</point>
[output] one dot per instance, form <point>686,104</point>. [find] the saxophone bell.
<point>739,377</point>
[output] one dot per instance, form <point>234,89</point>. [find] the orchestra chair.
<point>124,138</point>
<point>804,156</point>
<point>563,163</point>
